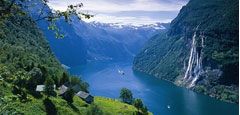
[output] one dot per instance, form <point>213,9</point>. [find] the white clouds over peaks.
<point>110,11</point>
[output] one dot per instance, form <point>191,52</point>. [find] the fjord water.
<point>157,94</point>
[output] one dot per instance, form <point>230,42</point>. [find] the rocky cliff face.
<point>199,51</point>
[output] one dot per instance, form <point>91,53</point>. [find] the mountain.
<point>199,51</point>
<point>71,50</point>
<point>94,41</point>
<point>113,42</point>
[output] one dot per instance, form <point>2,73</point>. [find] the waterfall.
<point>188,73</point>
<point>194,68</point>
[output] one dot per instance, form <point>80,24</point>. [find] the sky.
<point>124,12</point>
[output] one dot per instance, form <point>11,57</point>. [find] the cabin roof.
<point>67,85</point>
<point>41,87</point>
<point>63,89</point>
<point>83,94</point>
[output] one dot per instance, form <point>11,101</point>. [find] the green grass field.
<point>57,105</point>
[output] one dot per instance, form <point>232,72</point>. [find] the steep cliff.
<point>199,51</point>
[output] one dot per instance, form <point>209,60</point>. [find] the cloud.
<point>124,20</point>
<point>126,11</point>
<point>123,5</point>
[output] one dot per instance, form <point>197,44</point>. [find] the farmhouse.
<point>85,96</point>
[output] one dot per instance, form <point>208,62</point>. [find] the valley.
<point>152,57</point>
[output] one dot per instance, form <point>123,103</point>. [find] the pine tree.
<point>64,79</point>
<point>49,86</point>
<point>68,96</point>
<point>138,104</point>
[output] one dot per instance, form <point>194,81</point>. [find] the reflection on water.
<point>105,80</point>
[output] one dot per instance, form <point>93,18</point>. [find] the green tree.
<point>144,110</point>
<point>68,96</point>
<point>20,79</point>
<point>64,78</point>
<point>56,80</point>
<point>84,86</point>
<point>19,85</point>
<point>94,110</point>
<point>36,77</point>
<point>74,80</point>
<point>138,104</point>
<point>126,95</point>
<point>20,92</point>
<point>49,86</point>
<point>13,7</point>
<point>44,73</point>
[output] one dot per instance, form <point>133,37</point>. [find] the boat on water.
<point>121,72</point>
<point>168,107</point>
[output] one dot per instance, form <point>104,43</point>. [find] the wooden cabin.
<point>85,96</point>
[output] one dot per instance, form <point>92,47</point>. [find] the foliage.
<point>145,110</point>
<point>26,59</point>
<point>36,77</point>
<point>20,79</point>
<point>49,86</point>
<point>49,107</point>
<point>138,104</point>
<point>74,80</point>
<point>126,95</point>
<point>94,110</point>
<point>68,95</point>
<point>15,7</point>
<point>84,86</point>
<point>64,78</point>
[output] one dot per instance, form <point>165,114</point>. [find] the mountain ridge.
<point>84,42</point>
<point>199,51</point>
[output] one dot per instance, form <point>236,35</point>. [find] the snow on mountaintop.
<point>157,26</point>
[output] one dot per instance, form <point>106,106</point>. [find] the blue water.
<point>156,94</point>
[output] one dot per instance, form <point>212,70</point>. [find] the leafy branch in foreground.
<point>9,8</point>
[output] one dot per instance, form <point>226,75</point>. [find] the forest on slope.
<point>199,51</point>
<point>26,61</point>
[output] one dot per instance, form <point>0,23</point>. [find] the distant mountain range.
<point>94,41</point>
<point>112,41</point>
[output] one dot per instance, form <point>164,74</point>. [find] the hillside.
<point>71,50</point>
<point>27,61</point>
<point>199,51</point>
<point>9,104</point>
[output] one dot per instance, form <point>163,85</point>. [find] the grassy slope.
<point>60,106</point>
